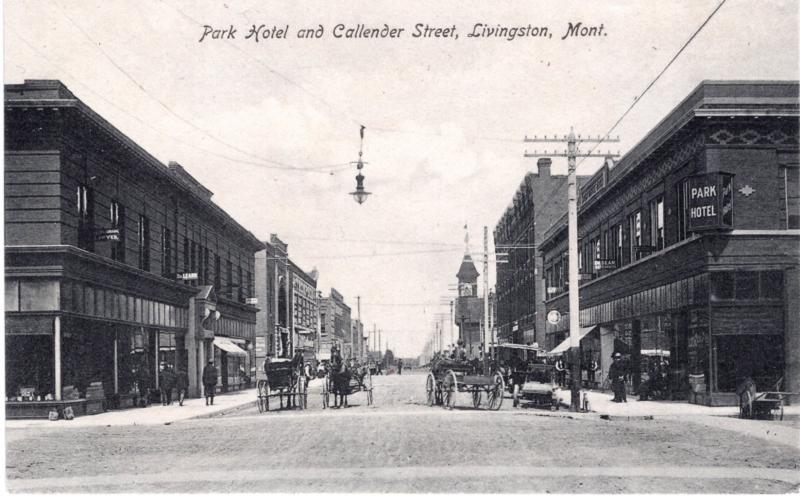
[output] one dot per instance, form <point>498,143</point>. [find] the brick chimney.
<point>544,167</point>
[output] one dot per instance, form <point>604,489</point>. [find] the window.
<point>240,281</point>
<point>166,252</point>
<point>746,285</point>
<point>635,226</point>
<point>791,181</point>
<point>144,243</point>
<point>205,272</point>
<point>85,204</point>
<point>117,216</point>
<point>186,254</point>
<point>681,202</point>
<point>618,251</point>
<point>657,223</point>
<point>193,257</point>
<point>772,284</point>
<point>595,253</point>
<point>229,274</point>
<point>217,273</point>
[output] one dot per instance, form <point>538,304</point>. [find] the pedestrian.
<point>561,370</point>
<point>210,375</point>
<point>169,383</point>
<point>399,367</point>
<point>616,374</point>
<point>163,383</point>
<point>461,353</point>
<point>182,385</point>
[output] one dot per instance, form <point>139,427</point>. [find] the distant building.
<point>335,326</point>
<point>305,310</point>
<point>469,307</point>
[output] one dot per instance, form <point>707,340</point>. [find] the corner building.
<point>115,264</point>
<point>689,246</point>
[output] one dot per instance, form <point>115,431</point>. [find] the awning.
<point>227,345</point>
<point>303,330</point>
<point>564,346</point>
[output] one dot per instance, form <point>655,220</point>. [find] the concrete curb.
<point>224,411</point>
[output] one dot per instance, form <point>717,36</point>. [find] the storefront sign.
<point>187,276</point>
<point>605,264</point>
<point>107,235</point>
<point>551,290</point>
<point>710,201</point>
<point>554,317</point>
<point>252,301</point>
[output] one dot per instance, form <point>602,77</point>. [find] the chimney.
<point>544,167</point>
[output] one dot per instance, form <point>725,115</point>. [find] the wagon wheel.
<point>449,389</point>
<point>267,392</point>
<point>260,387</point>
<point>430,390</point>
<point>746,405</point>
<point>495,393</point>
<point>476,397</point>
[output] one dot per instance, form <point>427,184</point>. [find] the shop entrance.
<point>757,356</point>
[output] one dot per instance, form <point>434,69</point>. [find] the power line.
<point>653,82</point>
<point>390,254</point>
<point>376,241</point>
<point>166,107</point>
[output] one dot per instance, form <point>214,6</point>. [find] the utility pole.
<point>452,320</point>
<point>572,227</point>
<point>352,334</point>
<point>486,328</point>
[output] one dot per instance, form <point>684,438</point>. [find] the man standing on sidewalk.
<point>210,381</point>
<point>617,375</point>
<point>399,367</point>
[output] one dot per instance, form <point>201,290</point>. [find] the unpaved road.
<point>400,445</point>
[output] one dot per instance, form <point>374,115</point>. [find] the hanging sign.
<point>187,276</point>
<point>107,235</point>
<point>710,201</point>
<point>554,317</point>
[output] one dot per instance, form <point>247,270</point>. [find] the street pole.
<point>572,230</point>
<point>352,334</point>
<point>486,292</point>
<point>452,320</point>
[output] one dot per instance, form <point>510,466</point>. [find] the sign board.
<point>551,290</point>
<point>554,317</point>
<point>644,250</point>
<point>187,276</point>
<point>107,235</point>
<point>252,301</point>
<point>710,201</point>
<point>585,276</point>
<point>605,264</point>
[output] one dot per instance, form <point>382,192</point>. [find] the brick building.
<point>115,263</point>
<point>335,326</point>
<point>689,246</point>
<point>539,201</point>
<point>468,313</point>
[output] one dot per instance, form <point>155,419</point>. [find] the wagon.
<point>538,387</point>
<point>513,359</point>
<point>765,404</point>
<point>346,382</point>
<point>282,380</point>
<point>448,377</point>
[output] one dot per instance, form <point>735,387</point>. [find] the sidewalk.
<point>154,414</point>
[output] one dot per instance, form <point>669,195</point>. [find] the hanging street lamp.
<point>360,194</point>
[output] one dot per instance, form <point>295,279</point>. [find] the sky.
<point>271,127</point>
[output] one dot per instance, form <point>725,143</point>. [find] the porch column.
<point>116,363</point>
<point>57,356</point>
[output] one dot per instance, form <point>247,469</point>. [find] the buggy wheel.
<point>495,393</point>
<point>476,398</point>
<point>430,390</point>
<point>449,390</point>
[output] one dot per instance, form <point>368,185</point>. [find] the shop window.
<point>681,202</point>
<point>240,282</point>
<point>746,285</point>
<point>117,215</point>
<point>772,284</point>
<point>721,286</point>
<point>635,227</point>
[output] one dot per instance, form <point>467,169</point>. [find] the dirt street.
<point>400,445</point>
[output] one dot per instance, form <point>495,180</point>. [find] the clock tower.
<point>469,307</point>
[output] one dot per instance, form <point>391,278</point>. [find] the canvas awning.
<point>229,346</point>
<point>564,345</point>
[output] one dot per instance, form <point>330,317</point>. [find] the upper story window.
<point>217,273</point>
<point>144,243</point>
<point>85,204</point>
<point>635,226</point>
<point>791,180</point>
<point>166,252</point>
<point>117,216</point>
<point>681,202</point>
<point>746,285</point>
<point>657,223</point>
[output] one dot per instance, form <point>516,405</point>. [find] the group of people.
<point>169,381</point>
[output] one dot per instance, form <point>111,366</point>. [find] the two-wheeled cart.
<point>448,377</point>
<point>345,382</point>
<point>281,381</point>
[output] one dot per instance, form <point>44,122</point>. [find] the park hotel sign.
<point>710,201</point>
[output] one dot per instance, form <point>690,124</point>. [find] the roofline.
<point>156,165</point>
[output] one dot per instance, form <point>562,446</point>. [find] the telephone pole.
<point>572,226</point>
<point>486,329</point>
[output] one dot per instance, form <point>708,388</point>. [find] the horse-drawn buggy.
<point>537,386</point>
<point>448,377</point>
<point>342,380</point>
<point>283,379</point>
<point>513,360</point>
